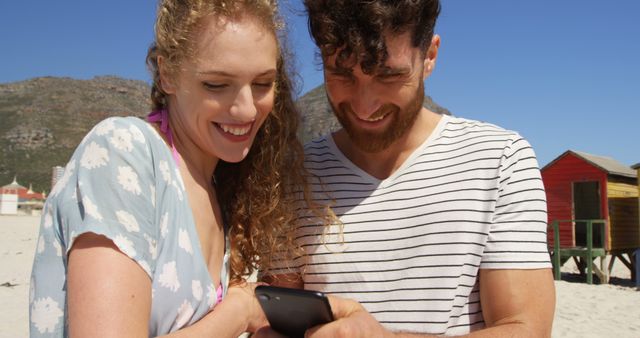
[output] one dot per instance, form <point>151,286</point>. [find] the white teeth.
<point>376,119</point>
<point>237,131</point>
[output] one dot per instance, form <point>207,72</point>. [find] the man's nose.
<point>365,101</point>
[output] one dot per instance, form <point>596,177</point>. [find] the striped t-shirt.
<point>470,197</point>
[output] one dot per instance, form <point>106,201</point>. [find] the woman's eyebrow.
<point>227,74</point>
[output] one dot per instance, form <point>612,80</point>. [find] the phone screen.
<point>292,311</point>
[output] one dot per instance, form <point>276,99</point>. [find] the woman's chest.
<point>188,262</point>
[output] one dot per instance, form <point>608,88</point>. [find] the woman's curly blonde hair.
<point>258,195</point>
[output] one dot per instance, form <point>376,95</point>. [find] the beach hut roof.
<point>13,185</point>
<point>636,166</point>
<point>607,164</point>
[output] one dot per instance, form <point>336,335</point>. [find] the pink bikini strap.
<point>219,293</point>
<point>162,116</point>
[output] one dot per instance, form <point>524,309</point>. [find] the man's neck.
<point>384,163</point>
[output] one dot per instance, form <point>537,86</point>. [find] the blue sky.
<point>565,74</point>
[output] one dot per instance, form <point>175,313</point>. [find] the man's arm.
<point>515,303</point>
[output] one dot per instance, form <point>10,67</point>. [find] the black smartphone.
<point>292,311</point>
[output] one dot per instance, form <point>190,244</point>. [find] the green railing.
<point>589,254</point>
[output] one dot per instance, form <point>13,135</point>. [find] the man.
<point>442,220</point>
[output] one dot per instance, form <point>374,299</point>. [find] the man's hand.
<point>351,320</point>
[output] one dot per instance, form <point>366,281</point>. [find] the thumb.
<point>343,307</point>
<point>267,332</point>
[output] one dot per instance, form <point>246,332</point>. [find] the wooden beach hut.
<point>637,253</point>
<point>592,211</point>
<point>637,168</point>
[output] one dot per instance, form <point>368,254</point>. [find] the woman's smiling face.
<point>219,98</point>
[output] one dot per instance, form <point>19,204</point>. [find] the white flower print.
<point>128,220</point>
<point>121,139</point>
<point>178,190</point>
<point>48,218</point>
<point>46,314</point>
<point>196,288</point>
<point>184,241</point>
<point>128,179</point>
<point>137,134</point>
<point>179,178</point>
<point>125,245</point>
<point>164,225</point>
<point>169,277</point>
<point>62,182</point>
<point>152,191</point>
<point>94,156</point>
<point>91,209</point>
<point>185,312</point>
<point>104,127</point>
<point>212,296</point>
<point>153,246</point>
<point>40,244</point>
<point>164,170</point>
<point>58,248</point>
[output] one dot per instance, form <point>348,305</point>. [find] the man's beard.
<point>373,142</point>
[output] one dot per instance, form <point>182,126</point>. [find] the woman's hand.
<point>243,295</point>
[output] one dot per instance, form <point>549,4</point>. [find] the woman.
<point>154,224</point>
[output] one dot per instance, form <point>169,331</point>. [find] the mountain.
<point>318,118</point>
<point>42,120</point>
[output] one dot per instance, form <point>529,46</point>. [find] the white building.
<point>9,198</point>
<point>56,175</point>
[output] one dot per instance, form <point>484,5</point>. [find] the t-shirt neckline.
<point>365,176</point>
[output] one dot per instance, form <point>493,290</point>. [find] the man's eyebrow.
<point>338,70</point>
<point>392,71</point>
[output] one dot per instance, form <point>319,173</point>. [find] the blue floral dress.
<point>122,182</point>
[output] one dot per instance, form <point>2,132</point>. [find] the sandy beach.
<point>582,310</point>
<point>18,237</point>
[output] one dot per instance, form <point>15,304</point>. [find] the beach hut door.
<point>586,205</point>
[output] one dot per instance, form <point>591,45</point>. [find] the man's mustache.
<point>382,111</point>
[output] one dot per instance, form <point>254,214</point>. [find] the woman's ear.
<point>430,56</point>
<point>166,81</point>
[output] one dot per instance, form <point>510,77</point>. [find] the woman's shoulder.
<point>120,142</point>
<point>125,126</point>
<point>123,134</point>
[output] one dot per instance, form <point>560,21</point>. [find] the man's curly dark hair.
<point>358,26</point>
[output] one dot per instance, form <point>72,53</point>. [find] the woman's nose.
<point>243,108</point>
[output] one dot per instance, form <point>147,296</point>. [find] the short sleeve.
<point>518,234</point>
<point>113,193</point>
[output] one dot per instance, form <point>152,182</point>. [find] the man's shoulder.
<point>464,127</point>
